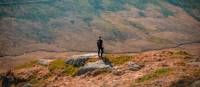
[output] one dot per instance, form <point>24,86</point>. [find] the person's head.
<point>99,37</point>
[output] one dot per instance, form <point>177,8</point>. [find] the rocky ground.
<point>174,67</point>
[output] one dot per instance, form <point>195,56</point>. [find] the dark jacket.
<point>100,43</point>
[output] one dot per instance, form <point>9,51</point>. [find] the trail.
<point>127,52</point>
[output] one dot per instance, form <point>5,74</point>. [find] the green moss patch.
<point>59,66</point>
<point>118,60</point>
<point>181,53</point>
<point>26,65</point>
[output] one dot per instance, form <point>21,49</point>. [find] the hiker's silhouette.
<point>100,47</point>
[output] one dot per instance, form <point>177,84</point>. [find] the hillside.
<point>177,67</point>
<point>74,25</point>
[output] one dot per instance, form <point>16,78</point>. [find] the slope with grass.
<point>163,68</point>
<point>74,25</point>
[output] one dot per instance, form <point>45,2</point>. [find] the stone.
<point>93,66</point>
<point>79,60</point>
<point>134,66</point>
<point>44,62</point>
<point>117,72</point>
<point>27,85</point>
<point>195,84</point>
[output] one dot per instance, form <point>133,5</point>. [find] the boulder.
<point>79,60</point>
<point>44,62</point>
<point>134,66</point>
<point>27,85</point>
<point>118,72</point>
<point>195,84</point>
<point>93,66</point>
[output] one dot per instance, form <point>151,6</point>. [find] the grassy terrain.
<point>155,74</point>
<point>43,24</point>
<point>26,65</point>
<point>60,67</point>
<point>177,53</point>
<point>158,40</point>
<point>118,60</point>
<point>190,6</point>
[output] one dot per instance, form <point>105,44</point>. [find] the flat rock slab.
<point>134,66</point>
<point>194,64</point>
<point>93,66</point>
<point>44,62</point>
<point>79,60</point>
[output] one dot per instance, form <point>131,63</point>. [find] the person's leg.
<point>101,52</point>
<point>98,52</point>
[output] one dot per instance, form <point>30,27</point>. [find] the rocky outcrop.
<point>79,60</point>
<point>118,72</point>
<point>93,66</point>
<point>134,66</point>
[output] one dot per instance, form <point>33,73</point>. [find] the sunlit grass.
<point>118,60</point>
<point>181,53</point>
<point>176,53</point>
<point>26,65</point>
<point>60,67</point>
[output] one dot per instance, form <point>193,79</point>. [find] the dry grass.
<point>155,74</point>
<point>26,65</point>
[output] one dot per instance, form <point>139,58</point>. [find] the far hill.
<point>74,25</point>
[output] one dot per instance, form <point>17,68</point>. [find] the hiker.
<point>100,47</point>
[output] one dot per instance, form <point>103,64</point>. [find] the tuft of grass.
<point>70,70</point>
<point>181,53</point>
<point>155,74</point>
<point>62,68</point>
<point>57,64</point>
<point>26,65</point>
<point>118,60</point>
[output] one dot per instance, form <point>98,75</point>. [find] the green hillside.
<point>68,24</point>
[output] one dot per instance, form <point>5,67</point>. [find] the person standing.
<point>100,47</point>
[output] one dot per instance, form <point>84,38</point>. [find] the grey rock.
<point>27,85</point>
<point>44,62</point>
<point>134,66</point>
<point>196,84</point>
<point>117,72</point>
<point>93,66</point>
<point>79,60</point>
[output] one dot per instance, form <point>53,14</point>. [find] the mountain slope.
<point>74,25</point>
